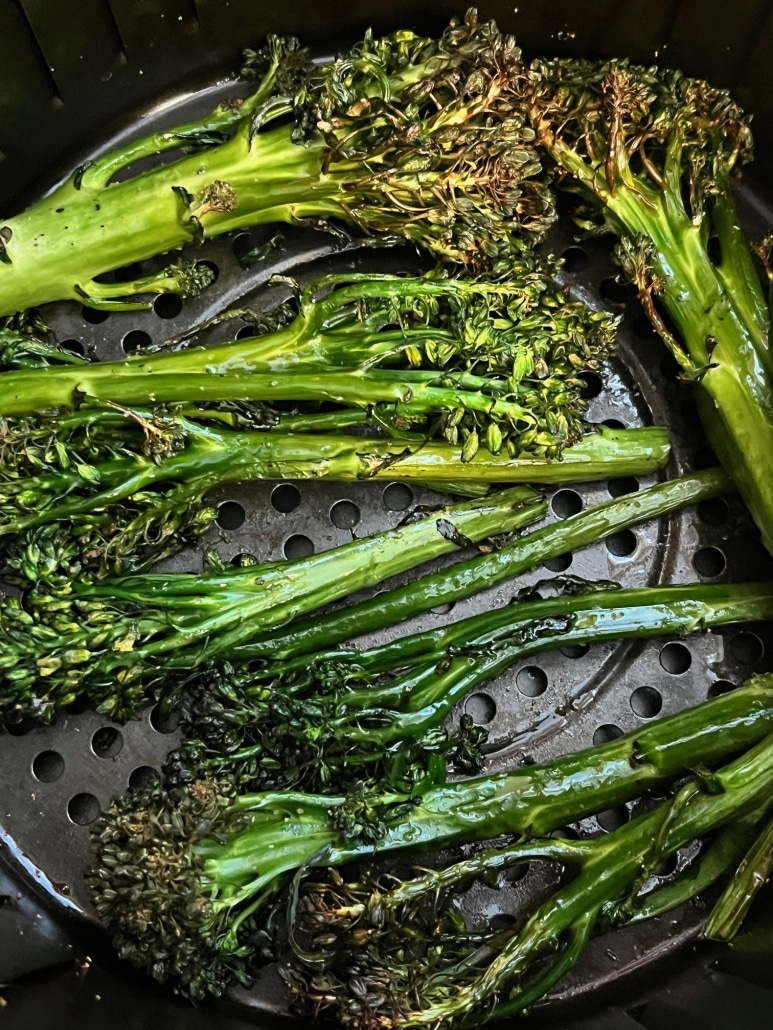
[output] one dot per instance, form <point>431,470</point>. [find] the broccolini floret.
<point>652,154</point>
<point>184,879</point>
<point>404,138</point>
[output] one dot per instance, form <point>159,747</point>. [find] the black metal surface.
<point>72,78</point>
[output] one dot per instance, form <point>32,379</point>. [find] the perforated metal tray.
<point>55,781</point>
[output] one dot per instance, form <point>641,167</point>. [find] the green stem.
<point>356,708</point>
<point>413,394</point>
<point>202,134</point>
<point>737,271</point>
<point>533,800</point>
<point>466,578</point>
<point>683,609</point>
<point>725,850</point>
<point>58,246</point>
<point>334,329</point>
<point>214,456</point>
<point>604,878</point>
<point>749,878</point>
<point>729,358</point>
<point>456,660</point>
<point>188,618</point>
<point>719,314</point>
<point>610,868</point>
<point>309,583</point>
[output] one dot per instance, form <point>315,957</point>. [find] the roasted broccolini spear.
<point>652,154</point>
<point>467,578</point>
<point>475,361</point>
<point>393,957</point>
<point>493,369</point>
<point>115,643</point>
<point>129,490</point>
<point>403,138</point>
<point>182,879</point>
<point>333,717</point>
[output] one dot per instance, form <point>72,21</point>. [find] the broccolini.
<point>652,154</point>
<point>406,138</point>
<point>115,642</point>
<point>369,966</point>
<point>183,878</point>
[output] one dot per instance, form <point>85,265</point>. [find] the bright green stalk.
<point>622,858</point>
<point>372,319</point>
<point>467,185</point>
<point>353,927</point>
<point>322,718</point>
<point>748,879</point>
<point>466,578</point>
<point>495,364</point>
<point>456,984</point>
<point>602,454</point>
<point>447,664</point>
<point>657,610</point>
<point>103,642</point>
<point>655,152</point>
<point>179,451</point>
<point>716,858</point>
<point>257,842</point>
<point>414,395</point>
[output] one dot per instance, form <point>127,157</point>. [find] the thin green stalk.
<point>466,578</point>
<point>716,858</point>
<point>676,609</point>
<point>538,799</point>
<point>495,364</point>
<point>449,670</point>
<point>411,392</point>
<point>747,881</point>
<point>101,641</point>
<point>214,456</point>
<point>251,845</point>
<point>743,785</point>
<point>456,984</point>
<point>365,702</point>
<point>347,320</point>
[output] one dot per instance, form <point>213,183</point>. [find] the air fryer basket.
<point>76,78</point>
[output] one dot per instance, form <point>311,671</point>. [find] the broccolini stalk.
<point>456,980</point>
<point>749,878</point>
<point>327,718</point>
<point>19,350</point>
<point>404,138</point>
<point>654,153</point>
<point>716,859</point>
<point>180,878</point>
<point>139,487</point>
<point>466,578</point>
<point>114,643</point>
<point>471,360</point>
